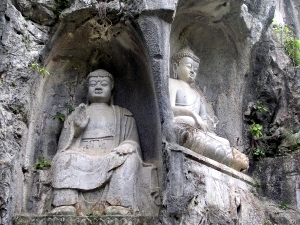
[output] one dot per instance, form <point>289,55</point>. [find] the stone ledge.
<point>215,165</point>
<point>83,220</point>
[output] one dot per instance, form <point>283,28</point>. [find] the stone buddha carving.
<point>98,159</point>
<point>188,105</point>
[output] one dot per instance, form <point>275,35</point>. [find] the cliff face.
<point>48,47</point>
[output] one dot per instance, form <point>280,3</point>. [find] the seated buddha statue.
<point>98,158</point>
<point>190,117</point>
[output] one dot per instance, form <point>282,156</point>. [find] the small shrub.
<point>39,69</point>
<point>43,164</point>
<point>258,154</point>
<point>62,116</point>
<point>262,108</point>
<point>69,108</point>
<point>283,206</point>
<point>289,42</point>
<point>28,17</point>
<point>256,129</point>
<point>15,111</point>
<point>59,116</point>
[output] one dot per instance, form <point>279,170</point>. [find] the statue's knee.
<point>133,159</point>
<point>65,197</point>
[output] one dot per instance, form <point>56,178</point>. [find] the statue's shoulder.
<point>173,81</point>
<point>122,110</point>
<point>176,82</point>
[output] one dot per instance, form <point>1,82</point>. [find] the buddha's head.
<point>185,65</point>
<point>100,85</point>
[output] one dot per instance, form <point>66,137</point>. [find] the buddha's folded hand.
<point>125,149</point>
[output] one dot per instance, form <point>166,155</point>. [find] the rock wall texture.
<point>48,47</point>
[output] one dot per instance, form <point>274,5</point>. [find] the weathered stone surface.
<point>278,182</point>
<point>43,12</point>
<point>242,63</point>
<point>276,87</point>
<point>21,43</point>
<point>202,191</point>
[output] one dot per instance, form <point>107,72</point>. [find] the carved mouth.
<point>98,91</point>
<point>192,76</point>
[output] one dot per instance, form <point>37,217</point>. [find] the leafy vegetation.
<point>289,42</point>
<point>43,164</point>
<point>283,206</point>
<point>62,116</point>
<point>15,111</point>
<point>41,70</point>
<point>69,108</point>
<point>259,152</point>
<point>28,17</point>
<point>59,116</point>
<point>261,107</point>
<point>256,130</point>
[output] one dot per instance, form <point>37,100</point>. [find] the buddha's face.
<point>100,89</point>
<point>187,69</point>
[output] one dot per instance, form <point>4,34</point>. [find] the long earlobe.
<point>175,66</point>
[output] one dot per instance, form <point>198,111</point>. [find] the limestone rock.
<point>41,12</point>
<point>243,64</point>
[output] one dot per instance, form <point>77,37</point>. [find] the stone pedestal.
<point>203,191</point>
<point>79,220</point>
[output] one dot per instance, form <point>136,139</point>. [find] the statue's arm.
<point>172,91</point>
<point>181,111</point>
<point>202,112</point>
<point>73,127</point>
<point>130,142</point>
<point>80,120</point>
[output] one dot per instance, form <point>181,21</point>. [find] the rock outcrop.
<point>47,48</point>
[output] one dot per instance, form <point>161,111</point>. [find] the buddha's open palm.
<point>81,118</point>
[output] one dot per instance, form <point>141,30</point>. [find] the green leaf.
<point>59,116</point>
